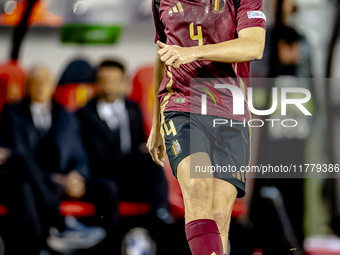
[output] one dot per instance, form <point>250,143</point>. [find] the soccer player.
<point>196,39</point>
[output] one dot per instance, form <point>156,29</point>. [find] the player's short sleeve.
<point>160,34</point>
<point>250,14</point>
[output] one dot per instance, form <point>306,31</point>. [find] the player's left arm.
<point>248,46</point>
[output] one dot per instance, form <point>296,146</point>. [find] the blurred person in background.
<point>47,163</point>
<point>76,84</point>
<point>331,185</point>
<point>80,77</point>
<point>274,31</point>
<point>281,31</point>
<point>284,146</point>
<point>287,60</point>
<point>113,134</point>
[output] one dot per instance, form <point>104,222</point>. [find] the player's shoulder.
<point>157,4</point>
<point>155,7</point>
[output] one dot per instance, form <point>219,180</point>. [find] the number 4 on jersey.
<point>199,36</point>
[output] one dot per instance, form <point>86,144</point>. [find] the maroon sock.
<point>204,237</point>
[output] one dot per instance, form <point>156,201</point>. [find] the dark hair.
<point>289,35</point>
<point>112,63</point>
<point>78,71</point>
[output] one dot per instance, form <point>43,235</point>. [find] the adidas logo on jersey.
<point>177,8</point>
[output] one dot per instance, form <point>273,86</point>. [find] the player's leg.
<point>187,146</point>
<point>201,229</point>
<point>197,192</point>
<point>231,149</point>
<point>223,202</point>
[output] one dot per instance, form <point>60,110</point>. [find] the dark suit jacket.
<point>64,145</point>
<point>138,178</point>
<point>103,145</point>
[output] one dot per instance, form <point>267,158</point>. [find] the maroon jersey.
<point>199,22</point>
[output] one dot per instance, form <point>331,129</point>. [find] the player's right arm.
<point>155,142</point>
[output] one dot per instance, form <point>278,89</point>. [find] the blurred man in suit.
<point>48,162</point>
<point>113,134</point>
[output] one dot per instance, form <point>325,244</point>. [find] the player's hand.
<point>174,55</point>
<point>156,147</point>
<point>4,155</point>
<point>73,183</point>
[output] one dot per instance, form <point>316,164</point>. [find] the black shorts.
<point>228,144</point>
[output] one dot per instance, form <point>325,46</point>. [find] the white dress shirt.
<point>116,117</point>
<point>41,115</point>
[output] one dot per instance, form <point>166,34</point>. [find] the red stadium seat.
<point>40,16</point>
<point>78,209</point>
<point>142,93</point>
<point>76,85</point>
<point>3,210</point>
<point>127,209</point>
<point>238,209</point>
<point>74,96</point>
<point>12,80</point>
<point>86,209</point>
<point>257,251</point>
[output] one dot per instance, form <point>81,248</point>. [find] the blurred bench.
<point>126,209</point>
<point>86,209</point>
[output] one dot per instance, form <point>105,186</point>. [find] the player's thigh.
<point>183,136</point>
<point>188,148</point>
<point>197,192</point>
<point>230,154</point>
<point>198,187</point>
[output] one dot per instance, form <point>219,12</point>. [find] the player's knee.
<point>199,189</point>
<point>222,219</point>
